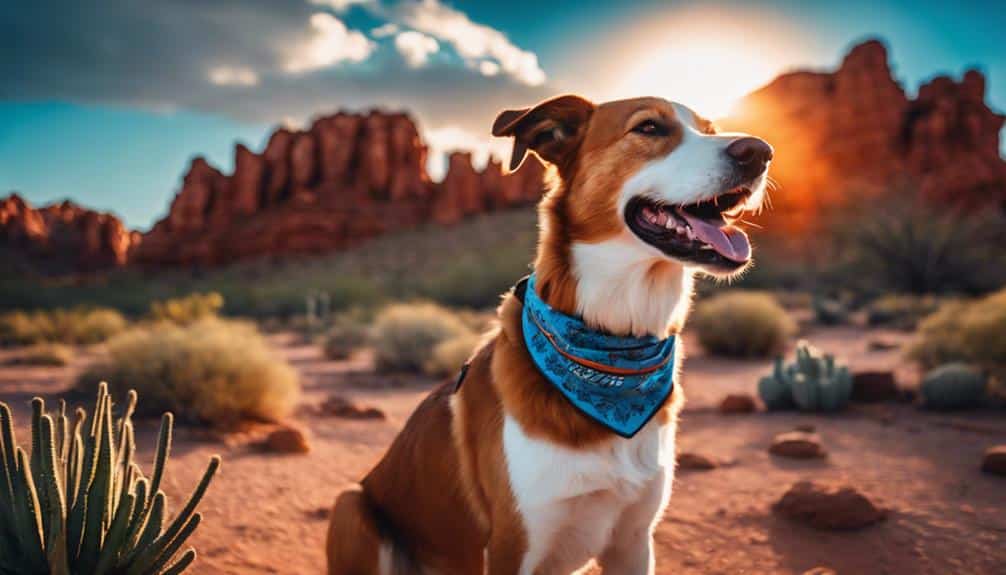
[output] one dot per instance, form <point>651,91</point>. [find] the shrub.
<point>742,324</point>
<point>347,334</point>
<point>44,354</point>
<point>449,355</point>
<point>965,331</point>
<point>75,500</point>
<point>188,309</point>
<point>406,334</point>
<point>900,311</point>
<point>212,370</point>
<point>75,326</point>
<point>953,386</point>
<point>907,244</point>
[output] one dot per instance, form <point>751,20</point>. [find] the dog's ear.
<point>552,130</point>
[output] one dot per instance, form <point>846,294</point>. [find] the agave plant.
<point>77,503</point>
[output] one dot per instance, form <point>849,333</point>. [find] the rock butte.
<point>351,177</point>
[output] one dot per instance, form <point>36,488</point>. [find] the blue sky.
<point>107,103</point>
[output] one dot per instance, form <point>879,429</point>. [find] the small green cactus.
<point>953,386</point>
<point>812,383</point>
<point>774,389</point>
<point>76,503</point>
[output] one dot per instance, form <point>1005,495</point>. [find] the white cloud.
<point>385,30</point>
<point>340,6</point>
<point>233,76</point>
<point>330,43</point>
<point>489,68</point>
<point>473,42</point>
<point>415,47</point>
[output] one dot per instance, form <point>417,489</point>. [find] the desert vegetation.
<point>742,324</point>
<point>405,335</point>
<point>213,371</point>
<point>61,325</point>
<point>76,501</point>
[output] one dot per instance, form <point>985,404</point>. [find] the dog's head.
<point>646,168</point>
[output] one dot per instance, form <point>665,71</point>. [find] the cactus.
<point>774,389</point>
<point>953,386</point>
<point>77,503</point>
<point>813,382</point>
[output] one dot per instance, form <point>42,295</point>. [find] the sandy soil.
<point>267,513</point>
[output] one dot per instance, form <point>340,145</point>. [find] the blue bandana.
<point>619,382</point>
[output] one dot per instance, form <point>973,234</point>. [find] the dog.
<point>515,469</point>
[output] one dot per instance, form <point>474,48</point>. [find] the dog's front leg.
<point>630,549</point>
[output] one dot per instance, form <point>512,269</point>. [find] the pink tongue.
<point>729,242</point>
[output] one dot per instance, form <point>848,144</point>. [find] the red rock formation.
<point>854,130</point>
<point>348,178</point>
<point>63,237</point>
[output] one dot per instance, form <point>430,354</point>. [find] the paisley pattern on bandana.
<point>620,382</point>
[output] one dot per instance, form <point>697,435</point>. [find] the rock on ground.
<point>287,439</point>
<point>798,445</point>
<point>995,460</point>
<point>338,406</point>
<point>825,506</point>
<point>874,386</point>
<point>737,403</point>
<point>696,461</point>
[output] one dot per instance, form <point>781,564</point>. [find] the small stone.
<point>820,571</point>
<point>696,461</point>
<point>338,406</point>
<point>994,461</point>
<point>806,427</point>
<point>287,439</point>
<point>882,344</point>
<point>737,403</point>
<point>830,507</point>
<point>798,445</point>
<point>874,386</point>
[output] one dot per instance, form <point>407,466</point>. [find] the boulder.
<point>874,386</point>
<point>994,461</point>
<point>798,445</point>
<point>828,506</point>
<point>287,439</point>
<point>737,403</point>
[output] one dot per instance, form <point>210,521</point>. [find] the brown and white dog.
<point>502,475</point>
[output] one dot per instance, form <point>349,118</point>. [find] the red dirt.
<point>267,513</point>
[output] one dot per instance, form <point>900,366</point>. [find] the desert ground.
<point>266,513</point>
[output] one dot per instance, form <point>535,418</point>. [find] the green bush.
<point>449,355</point>
<point>212,370</point>
<point>742,324</point>
<point>405,335</point>
<point>965,331</point>
<point>188,309</point>
<point>44,354</point>
<point>73,326</point>
<point>900,311</point>
<point>348,333</point>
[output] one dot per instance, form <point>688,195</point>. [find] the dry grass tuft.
<point>405,334</point>
<point>212,370</point>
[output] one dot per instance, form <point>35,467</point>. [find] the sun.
<point>708,73</point>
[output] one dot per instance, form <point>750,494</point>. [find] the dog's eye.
<point>651,128</point>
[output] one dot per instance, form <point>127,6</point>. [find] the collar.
<point>619,382</point>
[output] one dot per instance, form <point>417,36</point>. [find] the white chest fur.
<point>577,502</point>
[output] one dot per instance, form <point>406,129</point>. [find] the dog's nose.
<point>751,155</point>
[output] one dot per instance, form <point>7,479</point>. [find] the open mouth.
<point>700,233</point>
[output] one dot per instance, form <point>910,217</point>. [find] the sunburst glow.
<point>708,73</point>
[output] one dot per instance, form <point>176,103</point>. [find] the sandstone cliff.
<point>855,130</point>
<point>348,178</point>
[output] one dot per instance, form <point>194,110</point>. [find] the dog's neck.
<point>617,285</point>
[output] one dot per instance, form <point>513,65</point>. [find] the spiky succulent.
<point>77,503</point>
<point>813,382</point>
